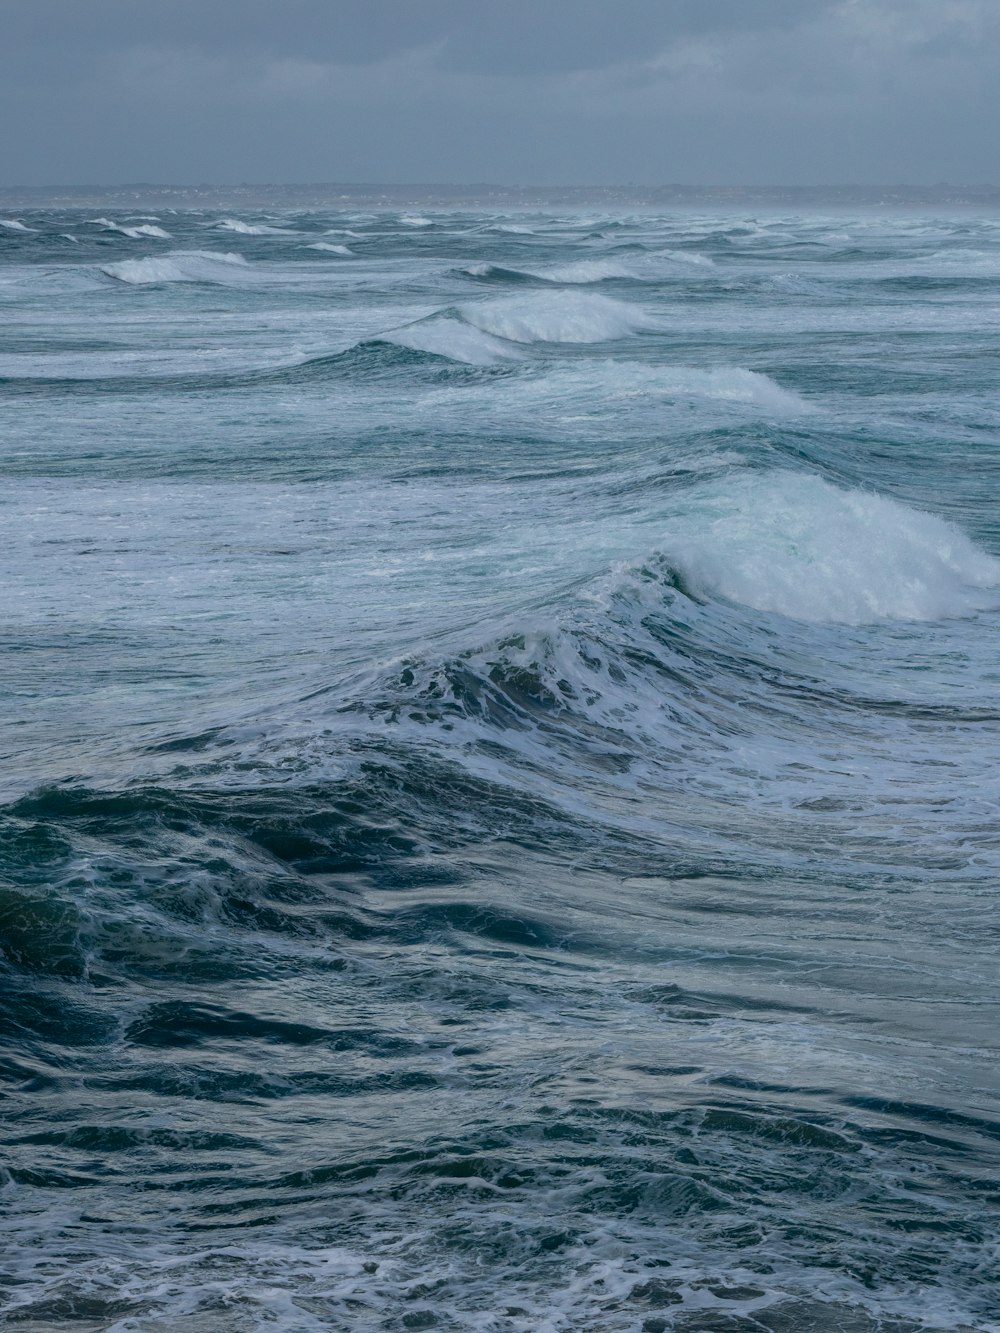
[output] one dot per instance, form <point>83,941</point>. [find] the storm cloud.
<point>522,91</point>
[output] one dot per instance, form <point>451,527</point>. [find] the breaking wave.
<point>141,231</point>
<point>251,229</point>
<point>481,333</point>
<point>179,266</point>
<point>584,272</point>
<point>801,547</point>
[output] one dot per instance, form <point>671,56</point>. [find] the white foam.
<point>799,546</point>
<point>331,249</point>
<point>587,270</point>
<point>640,268</point>
<point>135,233</point>
<point>556,317</point>
<point>730,384</point>
<point>146,229</point>
<point>13,225</point>
<point>454,339</point>
<point>250,229</point>
<point>689,257</point>
<point>416,220</point>
<point>580,272</point>
<point>180,266</point>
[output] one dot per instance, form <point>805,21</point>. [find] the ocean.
<point>500,773</point>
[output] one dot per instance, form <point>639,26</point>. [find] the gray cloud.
<point>740,91</point>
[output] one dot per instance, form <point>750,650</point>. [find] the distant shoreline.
<point>348,195</point>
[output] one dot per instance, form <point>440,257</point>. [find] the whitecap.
<point>454,339</point>
<point>556,317</point>
<point>250,229</point>
<point>801,547</point>
<point>587,270</point>
<point>581,272</point>
<point>180,266</point>
<point>689,257</point>
<point>730,384</point>
<point>330,249</point>
<point>146,229</point>
<point>12,224</point>
<point>135,233</point>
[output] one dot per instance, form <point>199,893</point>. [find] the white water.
<point>801,547</point>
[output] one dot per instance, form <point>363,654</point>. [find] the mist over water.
<point>500,781</point>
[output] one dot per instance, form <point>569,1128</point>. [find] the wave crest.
<point>180,266</point>
<point>803,548</point>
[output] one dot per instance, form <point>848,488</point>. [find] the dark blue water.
<point>499,818</point>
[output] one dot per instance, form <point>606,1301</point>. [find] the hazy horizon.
<point>806,93</point>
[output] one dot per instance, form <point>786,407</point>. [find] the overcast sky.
<point>508,91</point>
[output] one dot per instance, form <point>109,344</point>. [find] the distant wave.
<point>251,229</point>
<point>142,231</point>
<point>723,383</point>
<point>178,266</point>
<point>481,332</point>
<point>646,268</point>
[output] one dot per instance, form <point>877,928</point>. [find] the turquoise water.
<point>500,785</point>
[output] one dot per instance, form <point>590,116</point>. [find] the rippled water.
<point>500,779</point>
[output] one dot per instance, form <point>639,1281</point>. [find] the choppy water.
<point>500,787</point>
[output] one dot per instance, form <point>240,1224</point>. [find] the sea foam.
<point>453,339</point>
<point>583,272</point>
<point>179,266</point>
<point>796,545</point>
<point>556,317</point>
<point>140,232</point>
<point>251,229</point>
<point>484,332</point>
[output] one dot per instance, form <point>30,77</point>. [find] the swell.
<point>476,333</point>
<point>318,1020</point>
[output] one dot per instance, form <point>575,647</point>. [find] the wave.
<point>484,332</point>
<point>179,266</point>
<point>801,547</point>
<point>251,229</point>
<point>330,249</point>
<point>498,273</point>
<point>564,317</point>
<point>11,224</point>
<point>731,384</point>
<point>143,231</point>
<point>583,272</point>
<point>146,229</point>
<point>453,339</point>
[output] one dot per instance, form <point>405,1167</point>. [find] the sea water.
<point>500,772</point>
